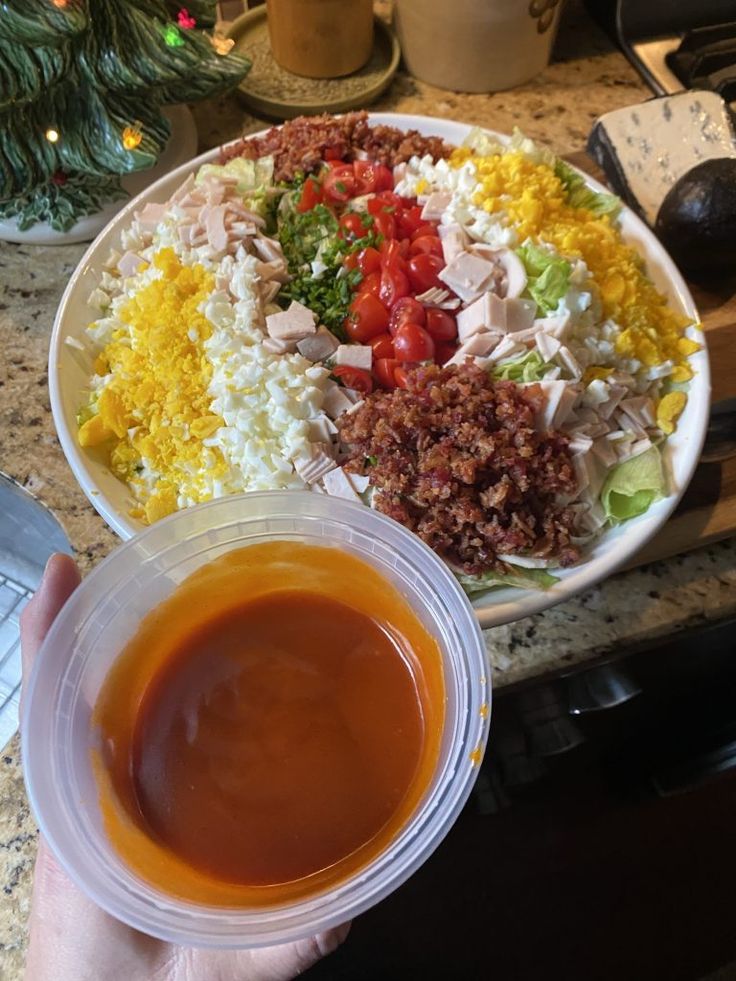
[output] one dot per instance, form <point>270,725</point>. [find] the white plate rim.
<point>616,547</point>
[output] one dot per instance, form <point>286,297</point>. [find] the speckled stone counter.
<point>634,609</point>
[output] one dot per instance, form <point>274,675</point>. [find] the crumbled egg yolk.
<point>534,199</point>
<point>155,408</point>
<point>669,409</point>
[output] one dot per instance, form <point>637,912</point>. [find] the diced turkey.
<point>293,324</point>
<point>355,356</point>
<point>335,401</point>
<point>318,346</point>
<point>436,205</point>
<point>315,464</point>
<point>467,275</point>
<point>454,241</point>
<point>336,483</point>
<point>478,345</point>
<point>128,264</point>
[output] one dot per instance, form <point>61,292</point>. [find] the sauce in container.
<point>321,38</point>
<point>270,728</point>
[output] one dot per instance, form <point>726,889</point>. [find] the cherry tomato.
<point>384,224</point>
<point>404,246</point>
<point>335,160</point>
<point>331,154</point>
<point>427,229</point>
<point>383,346</point>
<point>383,372</point>
<point>351,225</point>
<point>401,375</point>
<point>371,283</point>
<point>351,261</point>
<point>368,317</point>
<point>357,378</point>
<point>422,272</point>
<point>428,244</point>
<point>339,184</point>
<point>391,257</point>
<point>385,202</point>
<point>413,343</point>
<point>441,325</point>
<point>443,351</point>
<point>365,176</point>
<point>394,284</point>
<point>406,310</point>
<point>409,220</point>
<point>310,196</point>
<point>369,260</point>
<point>384,178</point>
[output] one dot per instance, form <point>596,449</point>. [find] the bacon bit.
<point>458,461</point>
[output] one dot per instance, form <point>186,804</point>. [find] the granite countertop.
<point>587,77</point>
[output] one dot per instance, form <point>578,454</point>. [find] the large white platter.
<point>70,370</point>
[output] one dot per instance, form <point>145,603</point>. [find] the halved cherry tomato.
<point>385,202</point>
<point>409,220</point>
<point>311,195</point>
<point>391,257</point>
<point>443,351</point>
<point>351,261</point>
<point>351,225</point>
<point>401,375</point>
<point>338,185</point>
<point>367,318</point>
<point>383,346</point>
<point>335,160</point>
<point>384,178</point>
<point>394,284</point>
<point>369,260</point>
<point>406,310</point>
<point>384,224</point>
<point>429,244</point>
<point>427,229</point>
<point>404,245</point>
<point>357,378</point>
<point>371,283</point>
<point>422,272</point>
<point>365,176</point>
<point>383,372</point>
<point>441,325</point>
<point>413,343</point>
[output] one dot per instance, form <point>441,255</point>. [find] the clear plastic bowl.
<point>104,613</point>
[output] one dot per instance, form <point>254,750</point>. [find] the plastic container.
<point>104,613</point>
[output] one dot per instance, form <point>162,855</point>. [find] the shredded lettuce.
<point>633,486</point>
<point>548,275</point>
<point>253,176</point>
<point>530,367</point>
<point>518,578</point>
<point>579,195</point>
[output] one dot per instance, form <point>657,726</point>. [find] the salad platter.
<point>449,325</point>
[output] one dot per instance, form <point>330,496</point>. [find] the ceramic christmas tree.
<point>82,86</point>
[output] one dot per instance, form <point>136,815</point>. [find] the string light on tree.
<point>132,135</point>
<point>222,44</point>
<point>60,3</point>
<point>172,36</point>
<point>185,20</point>
<point>52,135</point>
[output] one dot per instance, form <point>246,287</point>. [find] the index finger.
<point>60,579</point>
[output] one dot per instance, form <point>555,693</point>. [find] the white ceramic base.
<point>181,147</point>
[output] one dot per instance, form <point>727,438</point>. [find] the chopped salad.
<point>456,336</point>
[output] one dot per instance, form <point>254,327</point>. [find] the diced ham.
<point>559,400</point>
<point>640,409</point>
<point>276,345</point>
<point>360,482</point>
<point>615,394</point>
<point>436,205</point>
<point>313,466</point>
<point>478,345</point>
<point>556,326</point>
<point>335,401</point>
<point>568,360</point>
<point>547,346</point>
<point>322,429</point>
<point>214,219</point>
<point>318,346</point>
<point>605,452</point>
<point>494,313</point>
<point>355,356</point>
<point>505,350</point>
<point>454,241</point>
<point>269,249</point>
<point>183,190</point>
<point>436,297</point>
<point>336,483</point>
<point>128,264</point>
<point>149,217</point>
<point>293,324</point>
<point>467,275</point>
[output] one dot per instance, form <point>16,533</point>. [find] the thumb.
<point>60,579</point>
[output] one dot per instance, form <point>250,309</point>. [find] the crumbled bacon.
<point>300,144</point>
<point>455,458</point>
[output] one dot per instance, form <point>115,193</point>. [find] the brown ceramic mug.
<point>321,38</point>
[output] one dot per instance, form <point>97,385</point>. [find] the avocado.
<point>696,221</point>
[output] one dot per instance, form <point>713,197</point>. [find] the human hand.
<point>71,939</point>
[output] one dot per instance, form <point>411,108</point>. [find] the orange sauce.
<point>270,728</point>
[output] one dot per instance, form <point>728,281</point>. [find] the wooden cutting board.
<point>707,511</point>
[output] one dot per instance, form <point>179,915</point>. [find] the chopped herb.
<point>341,187</point>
